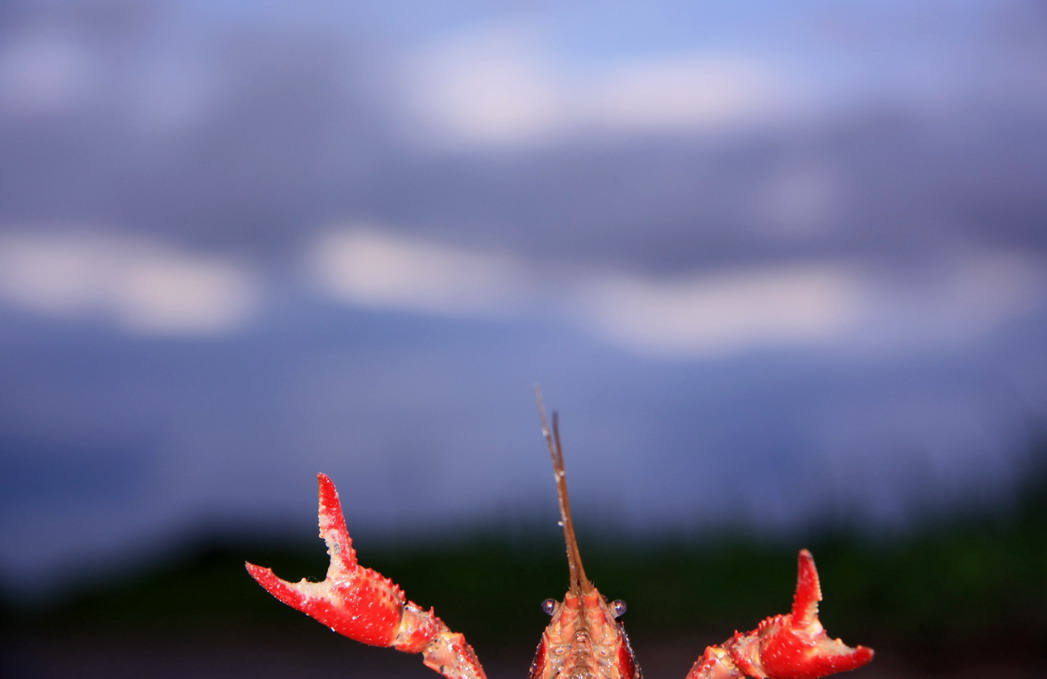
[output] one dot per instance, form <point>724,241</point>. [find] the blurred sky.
<point>771,261</point>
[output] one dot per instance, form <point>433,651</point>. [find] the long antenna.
<point>579,583</point>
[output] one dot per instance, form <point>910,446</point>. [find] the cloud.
<point>502,86</point>
<point>142,285</point>
<point>867,308</point>
<point>708,315</point>
<point>696,314</point>
<point>363,265</point>
<point>682,93</point>
<point>488,88</point>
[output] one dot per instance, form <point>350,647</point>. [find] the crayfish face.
<point>584,641</point>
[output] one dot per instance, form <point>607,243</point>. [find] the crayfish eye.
<point>619,608</point>
<point>549,606</point>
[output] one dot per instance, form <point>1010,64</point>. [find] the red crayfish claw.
<point>364,605</point>
<point>796,646</point>
<point>789,646</point>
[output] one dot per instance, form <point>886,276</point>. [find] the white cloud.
<point>689,92</point>
<point>491,88</point>
<point>701,315</point>
<point>144,286</point>
<point>708,315</point>
<point>955,300</point>
<point>365,266</point>
<point>871,309</point>
<point>502,86</point>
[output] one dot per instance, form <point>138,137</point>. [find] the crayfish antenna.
<point>579,583</point>
<point>584,637</point>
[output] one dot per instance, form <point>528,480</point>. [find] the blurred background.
<point>780,266</point>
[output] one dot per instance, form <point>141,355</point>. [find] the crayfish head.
<point>584,640</point>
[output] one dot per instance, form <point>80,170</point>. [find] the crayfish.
<point>584,640</point>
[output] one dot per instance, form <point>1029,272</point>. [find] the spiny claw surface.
<point>796,646</point>
<point>364,605</point>
<point>789,646</point>
<point>352,600</point>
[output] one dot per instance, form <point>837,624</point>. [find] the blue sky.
<point>778,264</point>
